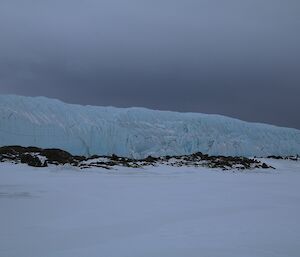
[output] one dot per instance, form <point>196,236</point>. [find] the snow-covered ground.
<point>158,211</point>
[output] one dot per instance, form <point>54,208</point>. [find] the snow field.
<point>158,211</point>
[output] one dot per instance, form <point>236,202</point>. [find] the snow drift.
<point>135,132</point>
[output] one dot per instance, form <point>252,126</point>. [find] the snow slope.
<point>159,211</point>
<point>135,132</point>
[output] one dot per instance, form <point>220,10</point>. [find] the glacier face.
<point>135,132</point>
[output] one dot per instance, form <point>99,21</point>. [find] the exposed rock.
<point>292,158</point>
<point>57,156</point>
<point>150,159</point>
<point>38,157</point>
<point>265,166</point>
<point>275,157</point>
<point>31,160</point>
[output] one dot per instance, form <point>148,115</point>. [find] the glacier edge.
<point>135,132</point>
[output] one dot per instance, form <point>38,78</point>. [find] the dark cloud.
<point>237,58</point>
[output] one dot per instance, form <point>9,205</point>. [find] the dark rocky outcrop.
<point>292,158</point>
<point>38,157</point>
<point>31,160</point>
<point>57,156</point>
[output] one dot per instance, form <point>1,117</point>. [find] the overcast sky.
<point>239,58</point>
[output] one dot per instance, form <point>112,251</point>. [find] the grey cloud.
<point>237,58</point>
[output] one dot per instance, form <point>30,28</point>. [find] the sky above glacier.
<point>239,58</point>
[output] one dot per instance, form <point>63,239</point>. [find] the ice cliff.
<point>135,132</point>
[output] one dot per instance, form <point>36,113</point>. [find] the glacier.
<point>135,132</point>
